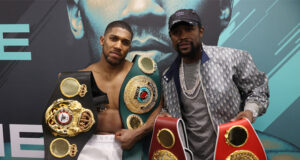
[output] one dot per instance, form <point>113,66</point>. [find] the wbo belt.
<point>238,141</point>
<point>139,96</point>
<point>169,140</point>
<point>69,119</point>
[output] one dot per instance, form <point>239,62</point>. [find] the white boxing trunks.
<point>101,147</point>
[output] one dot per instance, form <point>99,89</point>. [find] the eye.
<point>175,32</point>
<point>114,38</point>
<point>126,42</point>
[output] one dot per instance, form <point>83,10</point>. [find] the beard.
<point>113,62</point>
<point>192,53</point>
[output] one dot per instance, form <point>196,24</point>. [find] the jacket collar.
<point>174,68</point>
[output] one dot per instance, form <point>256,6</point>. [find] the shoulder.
<point>219,52</point>
<point>222,50</point>
<point>91,67</point>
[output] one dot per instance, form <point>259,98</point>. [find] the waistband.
<point>97,138</point>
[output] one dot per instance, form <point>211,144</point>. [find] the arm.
<point>129,137</point>
<point>253,87</point>
<point>164,112</point>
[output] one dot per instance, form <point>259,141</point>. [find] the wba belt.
<point>69,119</point>
<point>238,141</point>
<point>169,140</point>
<point>139,96</point>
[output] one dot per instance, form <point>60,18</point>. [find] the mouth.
<point>115,54</point>
<point>184,45</point>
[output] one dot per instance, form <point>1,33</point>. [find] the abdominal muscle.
<point>109,121</point>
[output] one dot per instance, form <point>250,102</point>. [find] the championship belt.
<point>169,140</point>
<point>238,141</point>
<point>139,96</point>
<point>69,119</point>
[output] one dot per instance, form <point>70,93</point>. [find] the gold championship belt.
<point>140,94</point>
<point>68,118</point>
<point>238,141</point>
<point>169,141</point>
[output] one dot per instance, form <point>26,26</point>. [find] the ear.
<point>101,40</point>
<point>75,18</point>
<point>201,31</point>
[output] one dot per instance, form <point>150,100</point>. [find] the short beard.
<point>190,54</point>
<point>113,63</point>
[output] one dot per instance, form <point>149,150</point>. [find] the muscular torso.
<point>109,120</point>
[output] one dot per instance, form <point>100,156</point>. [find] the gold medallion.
<point>134,121</point>
<point>236,136</point>
<point>140,94</point>
<point>61,147</point>
<point>68,118</point>
<point>147,64</point>
<point>70,87</point>
<point>163,155</point>
<point>242,155</point>
<point>166,138</point>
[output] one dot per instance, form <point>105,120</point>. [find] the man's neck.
<point>194,59</point>
<point>108,70</point>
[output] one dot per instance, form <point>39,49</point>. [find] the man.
<point>109,73</point>
<point>209,85</point>
<point>148,19</point>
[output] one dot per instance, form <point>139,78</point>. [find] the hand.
<point>126,137</point>
<point>164,114</point>
<point>245,114</point>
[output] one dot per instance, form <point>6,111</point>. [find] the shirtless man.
<point>109,73</point>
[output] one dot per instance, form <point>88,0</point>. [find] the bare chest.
<point>112,89</point>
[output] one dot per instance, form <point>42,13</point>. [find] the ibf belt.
<point>238,141</point>
<point>169,140</point>
<point>69,119</point>
<point>139,96</point>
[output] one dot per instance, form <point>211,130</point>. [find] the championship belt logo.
<point>169,141</point>
<point>140,94</point>
<point>68,118</point>
<point>238,141</point>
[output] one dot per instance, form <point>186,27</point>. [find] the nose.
<point>181,34</point>
<point>144,13</point>
<point>118,45</point>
